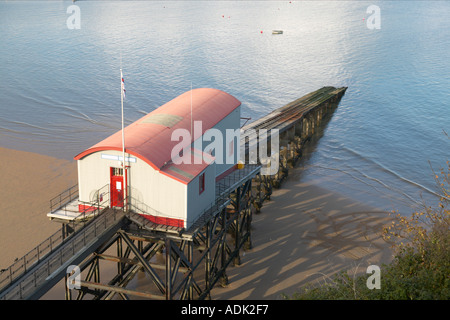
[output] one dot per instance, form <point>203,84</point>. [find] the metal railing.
<point>167,220</point>
<point>32,281</point>
<point>92,210</point>
<point>20,266</point>
<point>64,198</point>
<point>48,246</point>
<point>231,181</point>
<point>159,217</point>
<point>223,188</point>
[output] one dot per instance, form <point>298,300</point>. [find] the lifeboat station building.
<point>160,186</point>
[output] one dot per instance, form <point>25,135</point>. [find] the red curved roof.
<point>149,138</point>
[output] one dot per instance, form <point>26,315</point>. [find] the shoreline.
<point>304,233</point>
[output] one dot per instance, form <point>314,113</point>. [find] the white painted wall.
<point>196,202</point>
<point>232,121</point>
<point>146,185</point>
<point>165,195</point>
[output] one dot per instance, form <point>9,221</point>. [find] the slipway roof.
<point>149,138</point>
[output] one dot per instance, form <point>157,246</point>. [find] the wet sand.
<point>27,183</point>
<point>303,234</point>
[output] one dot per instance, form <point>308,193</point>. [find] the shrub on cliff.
<point>421,267</point>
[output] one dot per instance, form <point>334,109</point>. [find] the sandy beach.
<point>303,233</point>
<point>28,182</point>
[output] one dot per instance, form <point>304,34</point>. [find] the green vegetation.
<point>421,267</point>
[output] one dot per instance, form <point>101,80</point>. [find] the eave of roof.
<point>151,141</point>
<point>186,171</point>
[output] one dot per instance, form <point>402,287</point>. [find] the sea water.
<point>60,78</point>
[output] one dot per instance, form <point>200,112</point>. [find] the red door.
<point>117,187</point>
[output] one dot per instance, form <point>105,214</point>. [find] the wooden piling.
<point>296,122</point>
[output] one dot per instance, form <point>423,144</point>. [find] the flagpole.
<point>123,141</point>
<point>192,134</point>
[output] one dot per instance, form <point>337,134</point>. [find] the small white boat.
<point>277,31</point>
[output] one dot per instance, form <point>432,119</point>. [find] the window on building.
<point>117,171</point>
<point>201,181</point>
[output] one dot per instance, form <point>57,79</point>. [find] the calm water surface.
<point>60,88</point>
